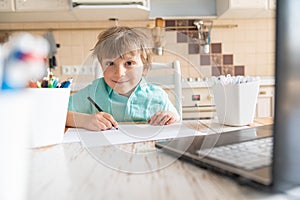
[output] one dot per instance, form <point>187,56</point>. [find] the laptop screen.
<point>287,96</point>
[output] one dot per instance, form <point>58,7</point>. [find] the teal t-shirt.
<point>143,103</point>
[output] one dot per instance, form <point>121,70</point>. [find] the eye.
<point>130,63</point>
<point>109,63</point>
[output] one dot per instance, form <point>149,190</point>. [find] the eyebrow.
<point>126,56</point>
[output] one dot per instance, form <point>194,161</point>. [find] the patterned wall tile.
<point>182,23</point>
<point>216,71</point>
<point>227,59</point>
<point>216,48</point>
<point>227,69</point>
<point>170,23</point>
<point>194,48</point>
<point>216,59</point>
<point>205,71</point>
<point>191,24</point>
<point>182,37</point>
<point>171,37</point>
<point>239,70</point>
<point>192,36</point>
<point>204,60</point>
<point>194,59</point>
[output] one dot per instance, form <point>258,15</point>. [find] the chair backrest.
<point>168,76</point>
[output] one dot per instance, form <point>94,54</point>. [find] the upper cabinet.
<point>89,10</point>
<point>182,9</point>
<point>73,10</point>
<point>97,10</point>
<point>245,8</point>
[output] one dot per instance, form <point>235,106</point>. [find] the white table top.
<point>69,171</point>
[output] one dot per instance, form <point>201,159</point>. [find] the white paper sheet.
<point>71,136</point>
<point>129,133</point>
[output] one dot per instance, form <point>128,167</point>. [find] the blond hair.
<point>120,40</point>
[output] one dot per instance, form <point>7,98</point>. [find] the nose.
<point>120,70</point>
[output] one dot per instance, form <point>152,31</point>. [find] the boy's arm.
<point>75,119</point>
<point>95,122</point>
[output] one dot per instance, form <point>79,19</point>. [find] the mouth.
<point>120,81</point>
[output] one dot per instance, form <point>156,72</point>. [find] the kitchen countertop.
<point>264,81</point>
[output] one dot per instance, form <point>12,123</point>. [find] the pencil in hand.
<point>94,103</point>
<point>97,107</point>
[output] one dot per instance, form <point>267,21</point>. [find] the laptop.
<point>266,157</point>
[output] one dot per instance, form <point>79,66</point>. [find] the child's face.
<point>123,74</point>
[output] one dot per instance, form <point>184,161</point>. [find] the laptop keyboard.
<point>247,155</point>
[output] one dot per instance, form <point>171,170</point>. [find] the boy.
<point>122,93</point>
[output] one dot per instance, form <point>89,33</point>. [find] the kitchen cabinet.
<point>182,9</point>
<point>197,102</point>
<point>265,102</point>
<point>245,8</point>
<point>62,10</point>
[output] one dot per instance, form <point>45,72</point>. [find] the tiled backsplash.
<point>247,49</point>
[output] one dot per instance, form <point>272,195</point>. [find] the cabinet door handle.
<point>210,97</point>
<point>262,92</point>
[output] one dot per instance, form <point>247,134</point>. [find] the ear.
<point>145,69</point>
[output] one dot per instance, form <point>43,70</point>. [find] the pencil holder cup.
<point>236,103</point>
<point>49,115</point>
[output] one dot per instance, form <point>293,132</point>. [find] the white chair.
<point>168,76</point>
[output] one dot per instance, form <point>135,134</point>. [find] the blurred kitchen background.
<point>208,37</point>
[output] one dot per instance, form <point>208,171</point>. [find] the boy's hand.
<point>100,121</point>
<point>163,118</point>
